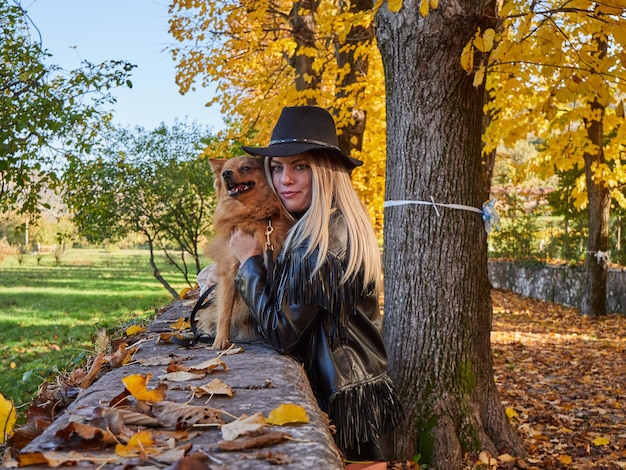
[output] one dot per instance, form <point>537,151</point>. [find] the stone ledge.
<point>249,374</point>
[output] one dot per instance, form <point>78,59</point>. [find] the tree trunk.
<point>302,20</point>
<point>155,269</point>
<point>351,136</point>
<point>596,260</point>
<point>593,302</point>
<point>438,308</point>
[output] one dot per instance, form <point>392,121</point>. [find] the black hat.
<point>301,129</point>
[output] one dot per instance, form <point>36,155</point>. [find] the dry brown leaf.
<point>243,425</point>
<point>162,360</point>
<point>56,459</point>
<point>209,366</point>
<point>214,387</point>
<point>84,437</point>
<point>179,415</point>
<point>181,376</point>
<point>230,351</point>
<point>256,442</point>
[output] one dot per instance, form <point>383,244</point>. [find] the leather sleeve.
<point>286,328</point>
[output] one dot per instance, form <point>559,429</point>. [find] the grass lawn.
<point>49,314</point>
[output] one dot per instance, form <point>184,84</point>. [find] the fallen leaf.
<point>209,366</point>
<point>84,437</point>
<point>243,425</point>
<point>161,360</point>
<point>601,441</point>
<point>181,376</point>
<point>506,458</point>
<point>287,413</point>
<point>135,329</point>
<point>8,417</point>
<point>121,356</point>
<point>256,442</point>
<point>102,340</point>
<point>565,459</point>
<point>56,459</point>
<point>230,351</point>
<point>214,387</point>
<point>511,413</point>
<point>180,324</point>
<point>137,385</point>
<point>139,444</point>
<point>180,415</point>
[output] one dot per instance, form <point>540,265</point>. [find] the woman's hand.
<point>243,245</point>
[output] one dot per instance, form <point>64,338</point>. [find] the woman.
<point>321,304</point>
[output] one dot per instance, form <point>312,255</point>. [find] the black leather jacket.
<point>333,329</point>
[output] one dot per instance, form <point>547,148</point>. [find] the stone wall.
<point>558,284</point>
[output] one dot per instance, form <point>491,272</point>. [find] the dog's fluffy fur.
<point>244,200</point>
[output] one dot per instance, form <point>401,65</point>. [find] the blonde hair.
<point>331,190</point>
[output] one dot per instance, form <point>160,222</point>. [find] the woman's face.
<point>291,177</point>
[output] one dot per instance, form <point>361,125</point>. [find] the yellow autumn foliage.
<point>542,77</point>
<point>246,50</point>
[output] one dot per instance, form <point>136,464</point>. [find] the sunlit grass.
<point>49,312</point>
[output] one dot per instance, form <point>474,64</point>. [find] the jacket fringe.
<point>300,285</point>
<point>365,411</point>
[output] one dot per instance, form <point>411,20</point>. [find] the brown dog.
<point>244,200</point>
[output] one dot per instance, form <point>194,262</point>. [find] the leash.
<point>202,301</point>
<point>197,337</point>
<point>269,248</point>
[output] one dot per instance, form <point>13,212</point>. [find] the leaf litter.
<point>561,378</point>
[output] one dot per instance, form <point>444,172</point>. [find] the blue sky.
<point>132,30</point>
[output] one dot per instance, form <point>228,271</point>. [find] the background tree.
<point>439,290</point>
<point>265,55</point>
<point>45,111</point>
<point>557,72</point>
<point>151,183</point>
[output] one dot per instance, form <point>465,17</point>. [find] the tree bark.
<point>302,20</point>
<point>438,308</point>
<point>593,302</point>
<point>351,136</point>
<point>155,269</point>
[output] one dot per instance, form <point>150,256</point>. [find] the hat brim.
<point>288,149</point>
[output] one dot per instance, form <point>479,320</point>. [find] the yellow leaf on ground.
<point>511,413</point>
<point>184,292</point>
<point>7,418</point>
<point>137,385</point>
<point>139,443</point>
<point>134,329</point>
<point>565,459</point>
<point>180,324</point>
<point>287,413</point>
<point>601,441</point>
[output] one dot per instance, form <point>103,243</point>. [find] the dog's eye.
<point>245,168</point>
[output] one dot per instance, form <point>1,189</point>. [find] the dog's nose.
<point>226,174</point>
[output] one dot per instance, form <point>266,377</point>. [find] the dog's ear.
<point>217,164</point>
